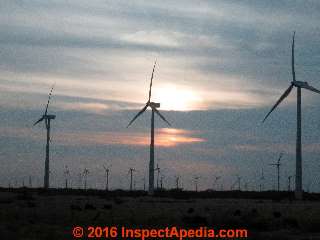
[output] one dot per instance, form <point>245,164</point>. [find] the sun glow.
<point>175,98</point>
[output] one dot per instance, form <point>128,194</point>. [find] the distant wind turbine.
<point>278,164</point>
<point>131,170</point>
<point>238,181</point>
<point>85,175</point>
<point>289,183</point>
<point>161,181</point>
<point>158,174</point>
<point>261,186</point>
<point>80,180</point>
<point>47,119</point>
<point>298,85</point>
<point>144,183</point>
<point>66,175</point>
<point>153,107</point>
<point>107,170</point>
<point>215,183</point>
<point>196,181</point>
<point>30,182</point>
<point>177,178</point>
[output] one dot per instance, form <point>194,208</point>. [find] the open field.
<point>36,214</point>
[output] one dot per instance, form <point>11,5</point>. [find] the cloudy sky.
<point>221,65</point>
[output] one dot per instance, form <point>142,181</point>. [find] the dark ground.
<point>38,214</point>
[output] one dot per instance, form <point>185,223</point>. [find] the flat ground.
<point>26,214</point>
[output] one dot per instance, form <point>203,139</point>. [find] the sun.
<point>175,98</point>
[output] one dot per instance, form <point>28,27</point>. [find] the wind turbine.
<point>278,164</point>
<point>158,173</point>
<point>177,182</point>
<point>85,174</point>
<point>154,109</point>
<point>47,119</point>
<point>131,170</point>
<point>261,186</point>
<point>196,179</point>
<point>107,170</point>
<point>161,181</point>
<point>215,182</point>
<point>238,181</point>
<point>298,85</point>
<point>30,182</point>
<point>80,180</point>
<point>66,174</point>
<point>144,183</point>
<point>289,183</point>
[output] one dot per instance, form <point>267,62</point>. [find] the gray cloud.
<point>99,50</point>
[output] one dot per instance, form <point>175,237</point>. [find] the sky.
<point>221,65</point>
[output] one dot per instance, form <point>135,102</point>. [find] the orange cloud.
<point>163,138</point>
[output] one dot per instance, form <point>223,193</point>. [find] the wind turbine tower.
<point>196,181</point>
<point>278,164</point>
<point>261,186</point>
<point>66,175</point>
<point>215,183</point>
<point>239,183</point>
<point>154,110</point>
<point>107,170</point>
<point>298,85</point>
<point>85,175</point>
<point>289,183</point>
<point>144,183</point>
<point>177,182</point>
<point>30,182</point>
<point>161,181</point>
<point>131,170</point>
<point>47,119</point>
<point>158,174</point>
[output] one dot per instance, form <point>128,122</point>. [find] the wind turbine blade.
<point>292,58</point>
<point>284,95</point>
<point>138,114</point>
<point>49,97</point>
<point>104,167</point>
<point>160,115</point>
<point>151,80</point>
<point>306,86</point>
<point>40,120</point>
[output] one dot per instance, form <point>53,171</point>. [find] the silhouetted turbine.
<point>107,170</point>
<point>278,164</point>
<point>131,170</point>
<point>153,107</point>
<point>47,119</point>
<point>298,85</point>
<point>66,175</point>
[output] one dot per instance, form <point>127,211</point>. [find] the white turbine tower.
<point>154,109</point>
<point>298,85</point>
<point>47,119</point>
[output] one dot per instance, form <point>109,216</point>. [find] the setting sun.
<point>174,98</point>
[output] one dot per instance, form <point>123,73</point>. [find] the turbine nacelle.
<point>51,117</point>
<point>300,84</point>
<point>154,105</point>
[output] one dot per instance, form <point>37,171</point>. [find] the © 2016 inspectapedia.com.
<point>144,233</point>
